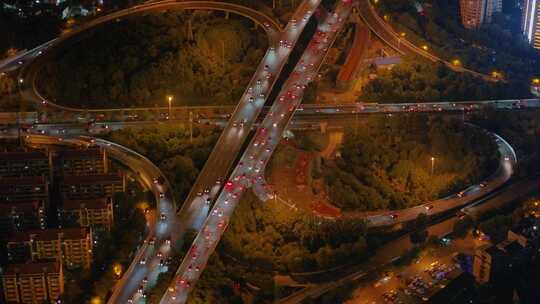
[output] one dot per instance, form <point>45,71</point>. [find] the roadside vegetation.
<point>386,164</point>
<point>169,148</point>
<point>521,129</point>
<point>441,30</point>
<point>415,80</point>
<point>139,61</point>
<point>264,239</point>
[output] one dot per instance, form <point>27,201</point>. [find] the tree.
<point>496,227</point>
<point>419,232</point>
<point>462,227</point>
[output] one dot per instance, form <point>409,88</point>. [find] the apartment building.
<point>77,187</point>
<point>96,213</point>
<point>19,216</point>
<point>33,283</point>
<point>530,24</point>
<point>25,188</point>
<point>88,161</point>
<point>33,163</point>
<point>474,13</point>
<point>72,246</point>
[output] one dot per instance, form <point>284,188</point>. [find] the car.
<point>161,195</point>
<point>394,216</point>
<point>168,241</point>
<point>142,261</point>
<point>460,194</point>
<point>506,158</point>
<point>429,207</point>
<point>161,263</point>
<point>162,217</point>
<point>483,184</point>
<point>152,241</point>
<point>145,280</point>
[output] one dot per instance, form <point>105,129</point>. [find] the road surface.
<point>248,171</point>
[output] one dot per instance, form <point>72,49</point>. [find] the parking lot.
<point>418,281</point>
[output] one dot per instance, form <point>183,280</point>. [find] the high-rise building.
<point>73,246</point>
<point>77,187</point>
<point>24,164</point>
<point>33,282</point>
<point>96,213</point>
<point>474,13</point>
<point>530,25</point>
<point>19,216</point>
<point>88,161</point>
<point>27,188</point>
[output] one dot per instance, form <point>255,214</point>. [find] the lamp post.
<point>170,99</point>
<point>432,165</point>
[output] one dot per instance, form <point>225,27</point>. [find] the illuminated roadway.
<point>249,169</point>
<point>277,125</point>
<point>196,206</point>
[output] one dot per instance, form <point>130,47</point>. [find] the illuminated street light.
<point>170,99</point>
<point>402,34</point>
<point>425,47</point>
<point>117,269</point>
<point>432,165</point>
<point>496,74</point>
<point>96,300</point>
<point>456,62</point>
<point>535,81</point>
<point>386,17</point>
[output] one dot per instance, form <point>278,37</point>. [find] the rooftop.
<point>49,235</point>
<point>14,156</point>
<point>26,206</point>
<point>33,268</point>
<point>91,179</point>
<point>460,290</point>
<point>94,152</point>
<point>24,180</point>
<point>98,203</point>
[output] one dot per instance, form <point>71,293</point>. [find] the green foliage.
<point>521,129</point>
<point>442,31</point>
<point>269,237</point>
<point>22,31</point>
<point>462,227</point>
<point>169,146</point>
<point>417,81</point>
<point>386,164</point>
<point>419,232</point>
<point>138,61</point>
<point>496,227</point>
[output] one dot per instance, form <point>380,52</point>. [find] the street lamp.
<point>432,165</point>
<point>425,47</point>
<point>170,99</point>
<point>456,62</point>
<point>401,35</point>
<point>535,81</point>
<point>95,300</point>
<point>117,269</point>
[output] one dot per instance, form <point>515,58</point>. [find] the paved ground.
<point>394,285</point>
